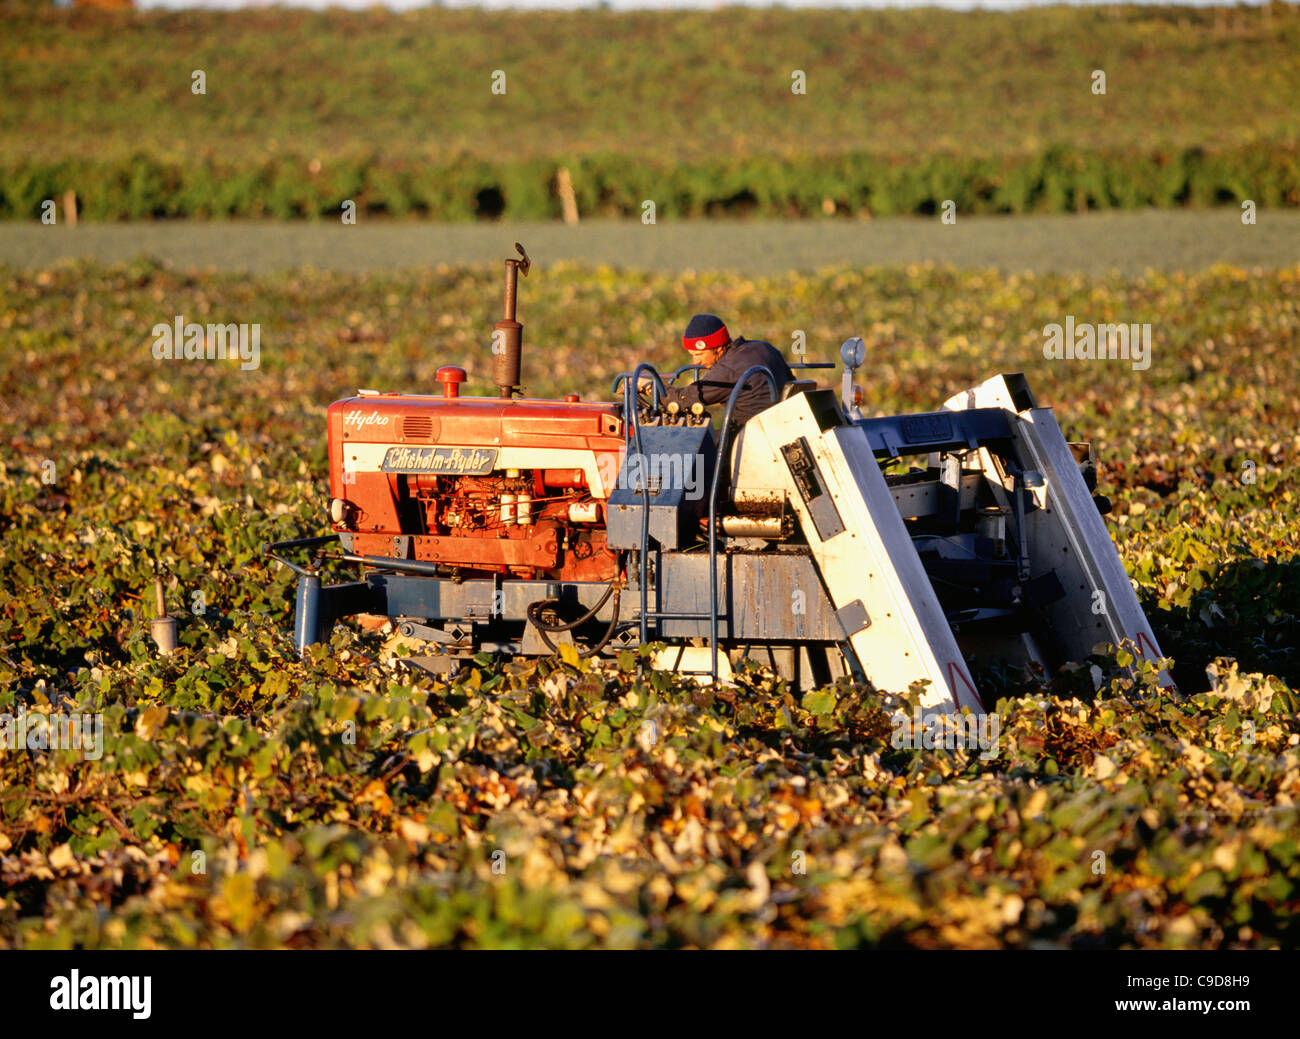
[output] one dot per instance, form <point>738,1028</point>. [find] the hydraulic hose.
<point>543,628</point>
<point>535,609</point>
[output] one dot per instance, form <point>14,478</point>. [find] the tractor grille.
<point>417,427</point>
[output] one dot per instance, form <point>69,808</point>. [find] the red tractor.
<point>509,524</point>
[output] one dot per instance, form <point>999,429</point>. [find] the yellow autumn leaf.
<point>151,719</point>
<point>237,901</point>
<point>61,858</point>
<point>413,831</point>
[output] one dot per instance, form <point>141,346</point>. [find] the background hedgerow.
<point>692,109</point>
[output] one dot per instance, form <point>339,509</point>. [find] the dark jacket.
<point>714,385</point>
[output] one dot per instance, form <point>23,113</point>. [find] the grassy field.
<point>695,110</point>
<point>1093,243</point>
<point>756,818</point>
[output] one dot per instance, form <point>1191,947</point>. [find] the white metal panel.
<point>872,559</point>
<point>1069,534</point>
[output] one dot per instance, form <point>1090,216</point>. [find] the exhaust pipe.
<point>508,334</point>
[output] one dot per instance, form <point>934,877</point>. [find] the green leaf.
<point>819,701</point>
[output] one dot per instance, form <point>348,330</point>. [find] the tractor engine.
<point>478,485</point>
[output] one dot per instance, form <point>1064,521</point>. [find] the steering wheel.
<point>643,393</point>
<point>645,401</point>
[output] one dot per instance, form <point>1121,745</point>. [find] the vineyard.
<point>243,797</point>
<point>460,115</point>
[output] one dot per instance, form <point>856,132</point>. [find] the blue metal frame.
<point>630,410</point>
<point>736,390</point>
<point>693,368</point>
<point>921,433</point>
<point>317,542</point>
<point>632,414</point>
<point>643,571</point>
<point>622,377</point>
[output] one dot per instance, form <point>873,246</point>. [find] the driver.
<point>725,360</point>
